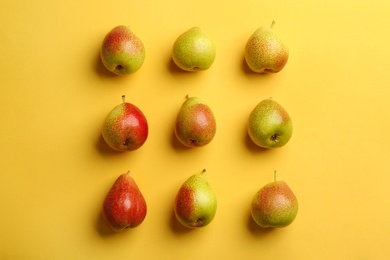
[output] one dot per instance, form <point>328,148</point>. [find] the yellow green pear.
<point>193,50</point>
<point>265,51</point>
<point>269,125</point>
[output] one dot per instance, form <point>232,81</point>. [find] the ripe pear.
<point>124,206</point>
<point>269,125</point>
<point>125,127</point>
<point>195,123</point>
<point>195,203</point>
<point>265,52</point>
<point>122,52</point>
<point>193,50</point>
<point>274,205</point>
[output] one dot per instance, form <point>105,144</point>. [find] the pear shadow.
<point>256,230</point>
<point>101,70</point>
<point>102,228</point>
<point>176,144</point>
<point>251,146</point>
<point>176,227</point>
<point>103,148</point>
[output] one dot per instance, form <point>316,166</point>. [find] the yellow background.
<point>56,170</point>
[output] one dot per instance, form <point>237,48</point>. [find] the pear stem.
<point>203,171</point>
<point>272,24</point>
<point>123,98</point>
<point>187,96</point>
<point>275,176</point>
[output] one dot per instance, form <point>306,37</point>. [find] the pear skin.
<point>122,52</point>
<point>124,206</point>
<point>195,203</point>
<point>195,123</point>
<point>274,205</point>
<point>265,52</point>
<point>125,128</point>
<point>269,125</point>
<point>193,50</point>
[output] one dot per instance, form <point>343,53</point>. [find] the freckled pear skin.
<point>195,203</point>
<point>124,205</point>
<point>265,52</point>
<point>269,125</point>
<point>122,52</point>
<point>125,127</point>
<point>195,123</point>
<point>193,50</point>
<point>274,205</point>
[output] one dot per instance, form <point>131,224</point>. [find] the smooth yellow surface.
<point>56,169</point>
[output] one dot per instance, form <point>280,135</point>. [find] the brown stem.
<point>123,98</point>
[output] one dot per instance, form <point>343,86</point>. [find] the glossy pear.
<point>124,206</point>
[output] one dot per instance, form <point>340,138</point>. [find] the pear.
<point>195,123</point>
<point>269,125</point>
<point>265,52</point>
<point>193,50</point>
<point>124,206</point>
<point>122,52</point>
<point>195,203</point>
<point>125,128</point>
<point>274,205</point>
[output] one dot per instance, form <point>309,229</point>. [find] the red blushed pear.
<point>124,206</point>
<point>265,52</point>
<point>195,123</point>
<point>274,205</point>
<point>122,52</point>
<point>125,127</point>
<point>195,203</point>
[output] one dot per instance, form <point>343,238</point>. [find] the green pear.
<point>195,123</point>
<point>265,52</point>
<point>269,125</point>
<point>195,203</point>
<point>193,50</point>
<point>122,52</point>
<point>124,205</point>
<point>274,205</point>
<point>125,128</point>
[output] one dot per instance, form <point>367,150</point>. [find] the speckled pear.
<point>125,128</point>
<point>124,206</point>
<point>195,123</point>
<point>193,50</point>
<point>269,125</point>
<point>274,205</point>
<point>122,52</point>
<point>265,52</point>
<point>196,203</point>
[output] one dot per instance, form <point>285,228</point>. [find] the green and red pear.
<point>274,205</point>
<point>195,204</point>
<point>124,206</point>
<point>125,128</point>
<point>195,123</point>
<point>265,52</point>
<point>122,52</point>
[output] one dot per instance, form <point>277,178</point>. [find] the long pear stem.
<point>123,98</point>
<point>275,175</point>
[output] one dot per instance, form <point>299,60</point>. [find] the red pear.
<point>124,206</point>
